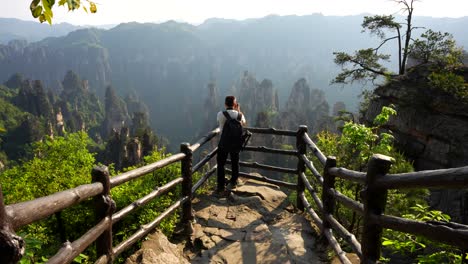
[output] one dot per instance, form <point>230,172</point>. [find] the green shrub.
<point>450,83</point>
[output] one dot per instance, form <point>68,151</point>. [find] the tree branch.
<point>383,42</point>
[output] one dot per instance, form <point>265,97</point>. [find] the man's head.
<point>230,101</point>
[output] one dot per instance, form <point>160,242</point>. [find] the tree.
<point>436,47</point>
<point>366,63</point>
<point>42,9</point>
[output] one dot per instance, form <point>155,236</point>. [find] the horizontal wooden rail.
<point>28,212</point>
<point>256,165</point>
<point>204,179</point>
<point>327,232</point>
<point>312,168</point>
<point>205,160</point>
<point>195,146</point>
<point>312,191</point>
<point>350,175</point>
<point>311,212</point>
<point>345,234</point>
<point>133,174</point>
<point>348,202</point>
<point>437,231</point>
<point>270,150</point>
<point>116,217</point>
<point>146,229</point>
<point>315,149</point>
<point>291,186</point>
<point>70,251</point>
<point>444,178</point>
<point>272,131</point>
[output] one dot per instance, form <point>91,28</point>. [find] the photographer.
<point>230,122</point>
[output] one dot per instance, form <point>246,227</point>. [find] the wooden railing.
<point>376,182</point>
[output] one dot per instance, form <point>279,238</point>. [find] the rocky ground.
<point>254,224</point>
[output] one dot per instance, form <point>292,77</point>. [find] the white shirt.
<point>222,119</point>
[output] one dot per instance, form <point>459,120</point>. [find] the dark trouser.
<point>221,160</point>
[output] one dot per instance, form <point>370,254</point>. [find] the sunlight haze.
<point>195,12</point>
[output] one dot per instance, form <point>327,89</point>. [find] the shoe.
<point>231,185</point>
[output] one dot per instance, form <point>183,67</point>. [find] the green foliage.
<point>379,24</point>
<point>436,47</point>
<point>352,149</point>
<point>45,173</point>
<point>10,116</point>
<point>42,9</point>
<point>364,65</point>
<point>359,141</point>
<point>450,83</point>
<point>422,249</point>
<point>127,193</point>
<point>60,163</point>
<point>65,162</point>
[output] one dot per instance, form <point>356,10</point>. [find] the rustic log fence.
<point>376,182</point>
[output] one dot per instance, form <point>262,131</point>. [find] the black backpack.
<point>231,137</point>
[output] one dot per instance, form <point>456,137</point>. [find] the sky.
<point>196,11</point>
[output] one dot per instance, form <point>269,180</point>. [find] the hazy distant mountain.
<point>170,64</point>
<point>12,28</point>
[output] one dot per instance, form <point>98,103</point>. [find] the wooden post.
<point>11,246</point>
<point>465,222</point>
<point>328,183</point>
<point>374,200</point>
<point>186,166</point>
<point>104,207</point>
<point>301,149</point>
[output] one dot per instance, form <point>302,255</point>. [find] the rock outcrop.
<point>157,249</point>
<point>305,106</point>
<point>255,224</point>
<point>431,128</point>
<point>255,97</point>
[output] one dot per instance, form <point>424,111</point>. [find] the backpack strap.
<point>239,116</point>
<point>226,114</point>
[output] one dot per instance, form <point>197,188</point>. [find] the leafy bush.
<point>58,164</point>
<point>450,83</point>
<point>353,148</point>
<point>64,162</point>
<point>420,248</point>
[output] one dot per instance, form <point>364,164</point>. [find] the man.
<point>224,147</point>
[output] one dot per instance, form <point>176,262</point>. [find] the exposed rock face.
<point>212,106</point>
<point>305,106</point>
<point>255,97</point>
<point>14,81</point>
<point>338,107</point>
<point>157,249</point>
<point>116,112</point>
<point>59,125</point>
<point>431,128</point>
<point>79,106</point>
<point>254,225</point>
<point>48,62</point>
<point>32,98</point>
<point>122,150</point>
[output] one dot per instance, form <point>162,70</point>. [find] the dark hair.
<point>229,101</point>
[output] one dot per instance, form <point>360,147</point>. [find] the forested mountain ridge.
<point>30,113</point>
<point>170,64</point>
<point>12,28</point>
